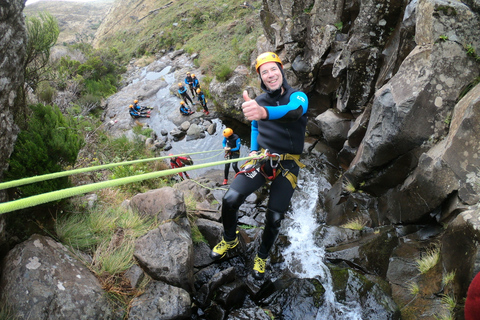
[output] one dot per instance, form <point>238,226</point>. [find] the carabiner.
<point>277,161</point>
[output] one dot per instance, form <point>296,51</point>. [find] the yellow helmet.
<point>267,57</point>
<point>227,132</point>
<point>188,73</point>
<point>193,75</point>
<point>198,90</point>
<point>182,102</point>
<point>130,106</point>
<point>135,101</point>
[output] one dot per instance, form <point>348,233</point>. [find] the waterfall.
<point>302,256</point>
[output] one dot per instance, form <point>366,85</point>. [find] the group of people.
<point>137,111</point>
<point>278,123</point>
<point>194,85</point>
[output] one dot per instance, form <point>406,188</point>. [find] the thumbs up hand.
<point>251,109</point>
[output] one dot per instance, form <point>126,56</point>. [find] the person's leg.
<point>239,190</point>
<point>281,192</point>
<point>235,155</point>
<point>241,187</point>
<point>225,171</point>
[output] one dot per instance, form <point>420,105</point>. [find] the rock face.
<point>12,57</point>
<point>41,279</point>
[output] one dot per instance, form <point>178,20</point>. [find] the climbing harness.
<point>257,165</point>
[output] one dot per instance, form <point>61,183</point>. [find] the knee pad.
<point>274,218</point>
<point>232,200</point>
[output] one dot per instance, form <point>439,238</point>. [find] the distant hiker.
<point>279,119</point>
<point>184,94</point>
<point>231,144</point>
<point>139,108</point>
<point>179,162</point>
<point>196,83</point>
<point>138,114</point>
<point>184,110</point>
<point>189,81</point>
<point>203,101</point>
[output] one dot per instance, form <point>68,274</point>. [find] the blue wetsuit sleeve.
<point>237,145</point>
<point>224,143</point>
<point>296,107</point>
<point>253,136</point>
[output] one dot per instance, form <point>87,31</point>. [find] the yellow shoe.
<point>259,268</point>
<point>221,249</point>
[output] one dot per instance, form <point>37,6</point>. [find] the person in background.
<point>182,91</point>
<point>138,107</point>
<point>279,119</point>
<point>189,81</point>
<point>231,144</point>
<point>203,101</point>
<point>179,162</point>
<point>184,110</point>
<point>138,114</point>
<point>196,83</point>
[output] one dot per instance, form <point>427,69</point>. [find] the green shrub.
<point>46,93</point>
<point>223,72</point>
<point>49,143</point>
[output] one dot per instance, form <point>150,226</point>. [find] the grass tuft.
<point>355,224</point>
<point>428,260</point>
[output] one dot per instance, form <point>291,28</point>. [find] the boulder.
<point>166,254</point>
<point>161,301</point>
<point>41,278</point>
<point>166,203</point>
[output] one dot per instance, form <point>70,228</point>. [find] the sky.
<point>33,1</point>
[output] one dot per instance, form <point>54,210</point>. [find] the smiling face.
<point>271,75</point>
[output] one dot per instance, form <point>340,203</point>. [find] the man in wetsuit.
<point>231,145</point>
<point>278,125</point>
<point>203,101</point>
<point>182,91</point>
<point>190,82</point>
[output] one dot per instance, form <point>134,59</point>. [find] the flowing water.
<point>302,257</point>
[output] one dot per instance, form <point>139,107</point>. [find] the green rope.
<point>21,182</point>
<point>208,158</point>
<point>69,192</point>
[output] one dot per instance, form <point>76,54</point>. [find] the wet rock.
<point>256,313</point>
<point>161,301</point>
<point>300,299</point>
<point>334,127</point>
<point>211,230</point>
<point>206,292</point>
<point>201,255</point>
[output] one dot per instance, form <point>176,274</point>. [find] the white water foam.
<point>303,257</point>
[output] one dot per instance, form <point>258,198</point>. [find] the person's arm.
<point>296,107</point>
<point>224,142</point>
<point>237,145</point>
<point>253,136</point>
